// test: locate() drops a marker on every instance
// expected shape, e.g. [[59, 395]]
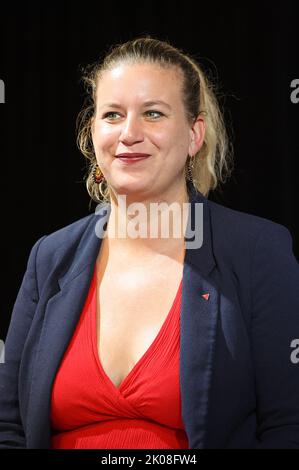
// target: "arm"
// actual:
[[275, 323], [12, 434]]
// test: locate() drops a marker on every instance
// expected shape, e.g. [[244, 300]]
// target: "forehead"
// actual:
[[140, 81]]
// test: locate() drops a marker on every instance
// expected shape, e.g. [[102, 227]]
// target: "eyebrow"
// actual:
[[145, 104]]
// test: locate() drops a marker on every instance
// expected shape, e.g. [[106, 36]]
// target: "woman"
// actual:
[[127, 342]]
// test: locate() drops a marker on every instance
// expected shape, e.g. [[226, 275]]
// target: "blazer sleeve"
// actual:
[[12, 433], [275, 332]]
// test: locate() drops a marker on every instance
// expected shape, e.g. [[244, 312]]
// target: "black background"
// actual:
[[250, 50]]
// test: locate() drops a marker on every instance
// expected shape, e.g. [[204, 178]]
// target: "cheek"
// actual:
[[105, 136], [161, 138], [173, 141]]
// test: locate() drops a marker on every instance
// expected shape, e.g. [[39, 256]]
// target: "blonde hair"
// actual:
[[213, 163]]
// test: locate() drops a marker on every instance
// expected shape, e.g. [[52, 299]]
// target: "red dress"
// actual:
[[89, 412]]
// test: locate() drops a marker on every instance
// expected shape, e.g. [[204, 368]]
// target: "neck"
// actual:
[[152, 224]]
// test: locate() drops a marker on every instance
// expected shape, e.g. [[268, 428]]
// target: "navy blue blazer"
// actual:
[[239, 371]]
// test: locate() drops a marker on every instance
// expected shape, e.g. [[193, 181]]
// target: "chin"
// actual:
[[129, 186], [133, 189]]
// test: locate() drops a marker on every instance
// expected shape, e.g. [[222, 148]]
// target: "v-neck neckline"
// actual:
[[118, 389]]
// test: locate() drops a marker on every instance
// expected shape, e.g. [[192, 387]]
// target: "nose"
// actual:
[[131, 131]]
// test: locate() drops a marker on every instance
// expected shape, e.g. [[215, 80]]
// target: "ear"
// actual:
[[197, 134]]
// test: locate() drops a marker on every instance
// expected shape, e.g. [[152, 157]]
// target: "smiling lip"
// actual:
[[132, 155], [130, 158]]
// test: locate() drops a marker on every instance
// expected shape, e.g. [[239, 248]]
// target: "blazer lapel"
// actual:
[[198, 329]]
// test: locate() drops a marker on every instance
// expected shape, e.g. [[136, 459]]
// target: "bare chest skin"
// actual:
[[134, 297]]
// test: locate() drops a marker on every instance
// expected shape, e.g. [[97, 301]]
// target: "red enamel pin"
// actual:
[[205, 296]]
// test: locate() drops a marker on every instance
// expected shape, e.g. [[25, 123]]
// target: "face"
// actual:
[[140, 110]]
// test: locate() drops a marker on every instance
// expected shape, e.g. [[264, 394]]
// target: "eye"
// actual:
[[110, 115], [154, 114]]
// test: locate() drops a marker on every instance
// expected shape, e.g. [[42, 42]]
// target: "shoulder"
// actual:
[[231, 225], [61, 245], [240, 234], [239, 224], [68, 235]]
